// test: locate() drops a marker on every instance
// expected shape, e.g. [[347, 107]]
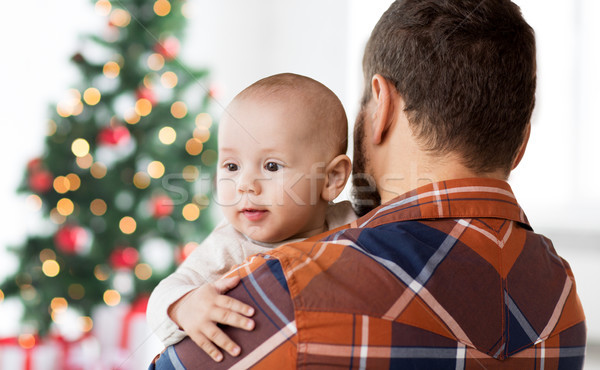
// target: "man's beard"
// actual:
[[364, 190]]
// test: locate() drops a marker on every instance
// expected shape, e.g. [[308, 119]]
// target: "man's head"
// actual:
[[282, 145], [466, 73]]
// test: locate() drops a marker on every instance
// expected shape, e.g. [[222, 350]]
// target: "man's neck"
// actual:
[[400, 162], [427, 170]]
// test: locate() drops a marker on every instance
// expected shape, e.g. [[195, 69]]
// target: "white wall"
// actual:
[[243, 41]]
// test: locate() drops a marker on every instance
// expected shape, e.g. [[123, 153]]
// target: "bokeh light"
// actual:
[[77, 109], [61, 184], [131, 116], [111, 297], [56, 217], [143, 271], [91, 96], [1, 295], [80, 147], [102, 7], [102, 272], [47, 254], [98, 207], [190, 173], [74, 95], [148, 80], [28, 292], [86, 323], [74, 181], [156, 62], [63, 110], [156, 169], [193, 146], [65, 206], [70, 104], [34, 202], [186, 11], [26, 341], [98, 170], [204, 120], [201, 200], [120, 17], [162, 7], [178, 109], [59, 304], [167, 135], [50, 268], [169, 79], [85, 162], [141, 180], [111, 69], [51, 128], [127, 225], [76, 291], [143, 107], [191, 212], [202, 133]]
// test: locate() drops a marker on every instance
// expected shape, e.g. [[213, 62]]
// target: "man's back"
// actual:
[[447, 276]]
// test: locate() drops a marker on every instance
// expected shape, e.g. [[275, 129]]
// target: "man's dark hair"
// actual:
[[466, 72]]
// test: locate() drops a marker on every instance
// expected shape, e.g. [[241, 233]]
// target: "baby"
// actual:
[[282, 144]]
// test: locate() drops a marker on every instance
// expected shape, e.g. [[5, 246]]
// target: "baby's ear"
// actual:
[[336, 175]]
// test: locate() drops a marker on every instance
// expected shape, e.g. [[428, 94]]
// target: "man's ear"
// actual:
[[337, 173], [523, 147], [383, 92]]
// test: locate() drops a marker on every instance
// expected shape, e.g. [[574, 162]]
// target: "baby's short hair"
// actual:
[[320, 102]]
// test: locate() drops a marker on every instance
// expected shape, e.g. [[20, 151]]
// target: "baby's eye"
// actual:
[[273, 167], [231, 167]]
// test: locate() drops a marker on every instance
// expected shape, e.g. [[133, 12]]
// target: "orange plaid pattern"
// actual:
[[450, 275]]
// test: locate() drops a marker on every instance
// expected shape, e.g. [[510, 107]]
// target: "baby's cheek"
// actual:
[[227, 194], [304, 193]]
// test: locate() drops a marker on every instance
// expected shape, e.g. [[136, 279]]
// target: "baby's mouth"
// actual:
[[253, 214]]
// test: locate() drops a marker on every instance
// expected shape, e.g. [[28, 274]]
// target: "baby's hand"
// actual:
[[199, 311]]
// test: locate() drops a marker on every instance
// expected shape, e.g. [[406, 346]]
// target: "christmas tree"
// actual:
[[124, 180]]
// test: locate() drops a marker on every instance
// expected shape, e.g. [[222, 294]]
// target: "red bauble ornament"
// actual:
[[71, 239], [124, 258], [161, 206], [112, 136], [145, 93], [168, 48], [40, 181], [34, 165]]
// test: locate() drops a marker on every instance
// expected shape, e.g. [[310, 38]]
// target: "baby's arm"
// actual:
[[223, 248]]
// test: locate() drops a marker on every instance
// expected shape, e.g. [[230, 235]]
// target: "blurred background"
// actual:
[[240, 41]]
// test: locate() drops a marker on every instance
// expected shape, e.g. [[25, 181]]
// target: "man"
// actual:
[[446, 272]]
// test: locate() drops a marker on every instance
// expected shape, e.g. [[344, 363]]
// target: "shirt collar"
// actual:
[[460, 198]]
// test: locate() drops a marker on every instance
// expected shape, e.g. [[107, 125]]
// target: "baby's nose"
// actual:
[[249, 184]]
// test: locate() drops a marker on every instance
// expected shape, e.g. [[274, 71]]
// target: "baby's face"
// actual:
[[270, 171]]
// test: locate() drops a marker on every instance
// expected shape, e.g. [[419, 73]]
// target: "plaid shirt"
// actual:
[[448, 276]]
